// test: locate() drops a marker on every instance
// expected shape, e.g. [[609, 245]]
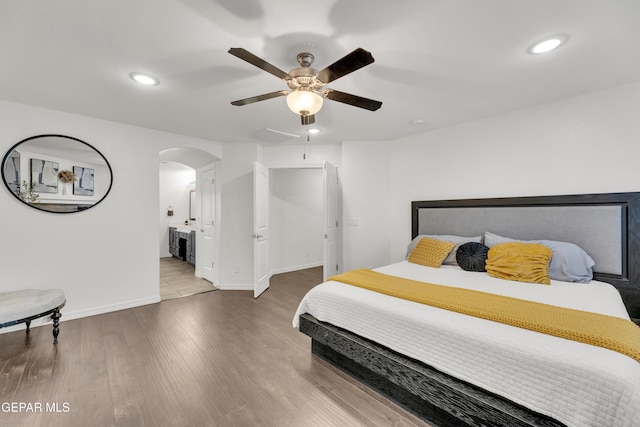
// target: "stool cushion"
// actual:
[[19, 305]]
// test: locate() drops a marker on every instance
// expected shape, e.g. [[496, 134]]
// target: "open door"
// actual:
[[260, 229], [207, 224], [330, 194]]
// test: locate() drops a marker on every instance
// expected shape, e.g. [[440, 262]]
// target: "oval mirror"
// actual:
[[56, 173]]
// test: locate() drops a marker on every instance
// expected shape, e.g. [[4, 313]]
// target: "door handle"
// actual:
[[257, 236]]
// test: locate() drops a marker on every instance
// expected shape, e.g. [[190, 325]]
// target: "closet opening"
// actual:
[[296, 219]]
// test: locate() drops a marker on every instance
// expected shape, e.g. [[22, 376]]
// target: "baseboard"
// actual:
[[109, 308], [22, 326], [296, 268], [83, 313]]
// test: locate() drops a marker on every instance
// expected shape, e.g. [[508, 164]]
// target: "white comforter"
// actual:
[[575, 383]]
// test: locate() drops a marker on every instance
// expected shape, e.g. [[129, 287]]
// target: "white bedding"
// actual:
[[575, 383]]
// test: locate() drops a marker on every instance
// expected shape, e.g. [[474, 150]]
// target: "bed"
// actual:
[[453, 369]]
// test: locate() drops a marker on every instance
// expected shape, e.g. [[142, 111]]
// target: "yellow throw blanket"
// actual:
[[601, 330]]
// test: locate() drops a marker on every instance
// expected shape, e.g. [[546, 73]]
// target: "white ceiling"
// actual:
[[443, 61]]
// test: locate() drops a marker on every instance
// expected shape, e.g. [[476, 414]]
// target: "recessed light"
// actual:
[[144, 79], [548, 44], [313, 131]]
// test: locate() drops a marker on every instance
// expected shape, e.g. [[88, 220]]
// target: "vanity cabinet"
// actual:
[[172, 241], [182, 244], [191, 248]]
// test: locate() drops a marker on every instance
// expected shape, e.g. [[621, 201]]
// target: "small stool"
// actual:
[[28, 304]]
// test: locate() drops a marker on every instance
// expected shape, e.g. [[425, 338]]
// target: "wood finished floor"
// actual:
[[177, 280], [213, 359]]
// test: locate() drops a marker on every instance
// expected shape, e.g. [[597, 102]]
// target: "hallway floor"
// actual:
[[177, 280]]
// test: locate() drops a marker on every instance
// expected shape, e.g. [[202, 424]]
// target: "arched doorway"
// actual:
[[189, 209]]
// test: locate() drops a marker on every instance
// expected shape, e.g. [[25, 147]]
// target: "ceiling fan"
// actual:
[[306, 84]]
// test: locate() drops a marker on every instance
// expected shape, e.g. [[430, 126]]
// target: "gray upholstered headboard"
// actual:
[[607, 226]]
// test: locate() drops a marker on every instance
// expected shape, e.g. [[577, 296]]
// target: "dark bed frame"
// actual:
[[443, 400]]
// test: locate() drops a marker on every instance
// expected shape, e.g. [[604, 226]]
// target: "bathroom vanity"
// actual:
[[182, 244]]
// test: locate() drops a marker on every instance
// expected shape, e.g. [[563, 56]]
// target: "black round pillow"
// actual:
[[472, 256]]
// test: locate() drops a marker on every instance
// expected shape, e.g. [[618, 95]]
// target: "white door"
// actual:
[[330, 194], [207, 218], [260, 229]]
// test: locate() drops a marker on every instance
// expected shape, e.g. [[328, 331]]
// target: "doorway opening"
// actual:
[[295, 215], [187, 209], [306, 221]]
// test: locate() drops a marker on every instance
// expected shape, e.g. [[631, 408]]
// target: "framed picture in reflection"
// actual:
[[44, 176], [83, 185]]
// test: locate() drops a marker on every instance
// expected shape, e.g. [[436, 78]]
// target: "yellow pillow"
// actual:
[[523, 262], [430, 252]]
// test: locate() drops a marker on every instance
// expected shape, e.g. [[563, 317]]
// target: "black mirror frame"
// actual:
[[7, 155]]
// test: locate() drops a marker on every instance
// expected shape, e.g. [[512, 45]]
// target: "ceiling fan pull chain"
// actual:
[[304, 150]]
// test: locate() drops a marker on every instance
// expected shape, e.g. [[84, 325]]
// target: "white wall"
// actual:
[[105, 258], [366, 194], [588, 144], [175, 189], [288, 156], [295, 218], [236, 224]]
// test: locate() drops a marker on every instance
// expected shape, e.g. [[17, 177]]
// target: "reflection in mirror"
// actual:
[[192, 205], [56, 173]]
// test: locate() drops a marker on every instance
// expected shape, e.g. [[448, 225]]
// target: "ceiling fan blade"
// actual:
[[356, 101], [354, 61], [258, 62], [309, 119], [260, 97]]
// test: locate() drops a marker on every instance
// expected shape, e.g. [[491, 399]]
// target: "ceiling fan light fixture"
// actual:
[[306, 94], [304, 102]]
